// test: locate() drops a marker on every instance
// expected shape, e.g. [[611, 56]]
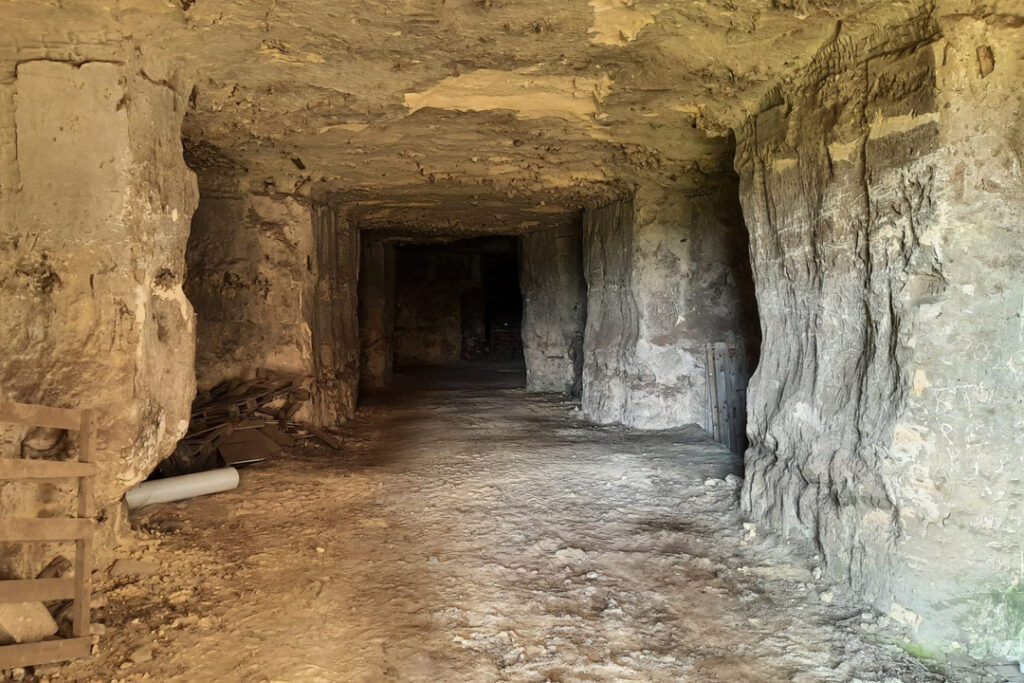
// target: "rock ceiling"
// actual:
[[457, 112]]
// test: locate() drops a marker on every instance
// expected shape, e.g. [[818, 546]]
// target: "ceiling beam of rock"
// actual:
[[478, 109]]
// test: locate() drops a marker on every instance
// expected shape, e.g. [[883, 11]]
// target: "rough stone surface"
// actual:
[[25, 622], [334, 316], [554, 309], [92, 255], [250, 280], [127, 567], [666, 275], [883, 193]]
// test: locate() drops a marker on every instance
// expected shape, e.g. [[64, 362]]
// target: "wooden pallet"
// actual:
[[78, 529]]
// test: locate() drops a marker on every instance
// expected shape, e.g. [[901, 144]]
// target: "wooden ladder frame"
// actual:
[[78, 529]]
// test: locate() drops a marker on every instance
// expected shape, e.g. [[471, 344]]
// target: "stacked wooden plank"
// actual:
[[232, 424], [35, 530]]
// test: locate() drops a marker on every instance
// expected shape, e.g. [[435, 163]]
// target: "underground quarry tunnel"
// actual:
[[512, 340]]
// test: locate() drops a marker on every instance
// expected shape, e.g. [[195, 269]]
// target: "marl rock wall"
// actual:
[[250, 279], [554, 309], [884, 196], [95, 204], [666, 274]]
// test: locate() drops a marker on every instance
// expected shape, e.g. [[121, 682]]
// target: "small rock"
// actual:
[[712, 482], [134, 568], [432, 560], [592, 575], [733, 481], [143, 654], [751, 529], [321, 549], [17, 674], [827, 597], [25, 622]]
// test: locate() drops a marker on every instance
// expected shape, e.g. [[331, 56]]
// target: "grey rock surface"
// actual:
[[883, 193], [554, 309]]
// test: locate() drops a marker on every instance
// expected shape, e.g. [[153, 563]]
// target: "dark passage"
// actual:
[[458, 301]]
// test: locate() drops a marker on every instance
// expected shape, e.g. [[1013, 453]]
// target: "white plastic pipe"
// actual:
[[180, 488]]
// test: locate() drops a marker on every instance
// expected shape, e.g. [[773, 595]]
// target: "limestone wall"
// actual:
[[554, 309], [250, 279], [96, 203], [666, 274], [884, 197]]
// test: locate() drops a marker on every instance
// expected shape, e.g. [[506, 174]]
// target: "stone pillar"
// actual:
[[554, 309], [884, 196], [96, 207], [377, 313], [250, 275], [667, 272], [334, 316]]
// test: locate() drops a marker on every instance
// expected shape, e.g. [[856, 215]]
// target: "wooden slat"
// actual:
[[712, 378], [20, 468], [45, 529], [83, 547], [83, 590], [39, 416], [31, 654], [36, 590]]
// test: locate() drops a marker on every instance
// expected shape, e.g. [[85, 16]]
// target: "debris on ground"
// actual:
[[243, 422], [127, 567]]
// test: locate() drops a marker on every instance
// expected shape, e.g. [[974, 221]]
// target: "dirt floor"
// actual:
[[469, 531]]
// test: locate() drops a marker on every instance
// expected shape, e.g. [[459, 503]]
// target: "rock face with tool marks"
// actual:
[[883, 194]]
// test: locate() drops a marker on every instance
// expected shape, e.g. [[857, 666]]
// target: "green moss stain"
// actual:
[[921, 652]]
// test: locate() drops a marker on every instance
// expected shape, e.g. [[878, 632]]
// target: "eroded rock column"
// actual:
[[554, 309], [96, 207], [666, 273], [334, 316], [377, 313], [884, 199]]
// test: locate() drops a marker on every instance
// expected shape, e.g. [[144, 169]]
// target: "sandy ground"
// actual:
[[471, 532]]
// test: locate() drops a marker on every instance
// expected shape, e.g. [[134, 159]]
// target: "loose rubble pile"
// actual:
[[241, 422]]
